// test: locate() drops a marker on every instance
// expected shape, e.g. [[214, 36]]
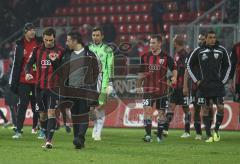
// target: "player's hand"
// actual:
[[53, 56], [231, 86], [185, 91], [28, 76], [199, 82], [109, 89], [138, 90], [174, 81]]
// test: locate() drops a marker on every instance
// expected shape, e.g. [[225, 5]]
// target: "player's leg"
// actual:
[[100, 113], [197, 121], [161, 105], [40, 106], [80, 120], [35, 113], [206, 119], [184, 102], [66, 119], [24, 98], [13, 111], [147, 105], [51, 122], [4, 119], [219, 117], [187, 121], [170, 112]]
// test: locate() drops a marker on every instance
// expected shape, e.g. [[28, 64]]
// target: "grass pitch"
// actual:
[[119, 146]]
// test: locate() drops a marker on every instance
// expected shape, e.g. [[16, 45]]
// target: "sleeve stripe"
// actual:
[[189, 68], [11, 74], [229, 67]]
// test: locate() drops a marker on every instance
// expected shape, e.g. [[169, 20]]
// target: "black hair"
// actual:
[[156, 36], [76, 36], [97, 28], [49, 32]]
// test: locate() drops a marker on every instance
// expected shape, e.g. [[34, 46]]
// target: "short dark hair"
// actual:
[[97, 28], [28, 26], [49, 32], [76, 36], [210, 32], [156, 36]]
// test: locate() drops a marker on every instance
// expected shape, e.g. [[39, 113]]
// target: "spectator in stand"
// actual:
[[109, 31], [157, 11]]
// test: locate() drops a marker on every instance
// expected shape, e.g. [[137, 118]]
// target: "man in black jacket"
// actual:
[[79, 84], [18, 84], [214, 65]]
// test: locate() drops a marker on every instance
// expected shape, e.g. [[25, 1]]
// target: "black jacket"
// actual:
[[211, 66], [17, 64], [89, 90]]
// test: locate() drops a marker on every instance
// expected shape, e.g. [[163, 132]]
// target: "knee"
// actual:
[[43, 116], [161, 115], [220, 108], [51, 113], [205, 110]]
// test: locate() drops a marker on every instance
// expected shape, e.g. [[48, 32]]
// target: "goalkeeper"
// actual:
[[105, 54]]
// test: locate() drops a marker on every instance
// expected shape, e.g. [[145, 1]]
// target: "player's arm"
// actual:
[[191, 63], [141, 76], [185, 80], [185, 83], [55, 58], [225, 67], [233, 58], [173, 68], [110, 63], [16, 64], [110, 69], [29, 65]]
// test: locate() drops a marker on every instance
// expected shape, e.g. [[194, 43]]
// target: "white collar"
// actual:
[[78, 52]]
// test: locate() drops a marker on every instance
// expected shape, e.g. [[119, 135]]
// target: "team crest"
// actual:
[[204, 57], [216, 55], [161, 61]]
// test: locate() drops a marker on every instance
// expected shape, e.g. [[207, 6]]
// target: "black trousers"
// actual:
[[80, 118], [26, 94]]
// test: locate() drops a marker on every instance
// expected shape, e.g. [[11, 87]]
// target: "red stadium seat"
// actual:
[[80, 10], [111, 9], [119, 8], [137, 18], [129, 18], [122, 29], [103, 9], [114, 18], [148, 28], [103, 18], [120, 19], [48, 22], [130, 28]]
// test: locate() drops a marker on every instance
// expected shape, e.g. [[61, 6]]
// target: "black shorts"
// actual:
[[161, 103], [64, 103], [178, 98], [45, 100], [216, 100]]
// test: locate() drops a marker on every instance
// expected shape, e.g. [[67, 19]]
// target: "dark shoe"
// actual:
[[77, 143]]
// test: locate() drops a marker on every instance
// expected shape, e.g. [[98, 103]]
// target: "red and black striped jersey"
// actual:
[[235, 63], [155, 69], [180, 59], [45, 68]]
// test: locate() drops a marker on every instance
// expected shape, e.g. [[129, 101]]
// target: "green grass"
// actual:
[[119, 146]]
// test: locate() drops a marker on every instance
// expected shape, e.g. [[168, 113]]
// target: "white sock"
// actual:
[[100, 122], [94, 131]]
